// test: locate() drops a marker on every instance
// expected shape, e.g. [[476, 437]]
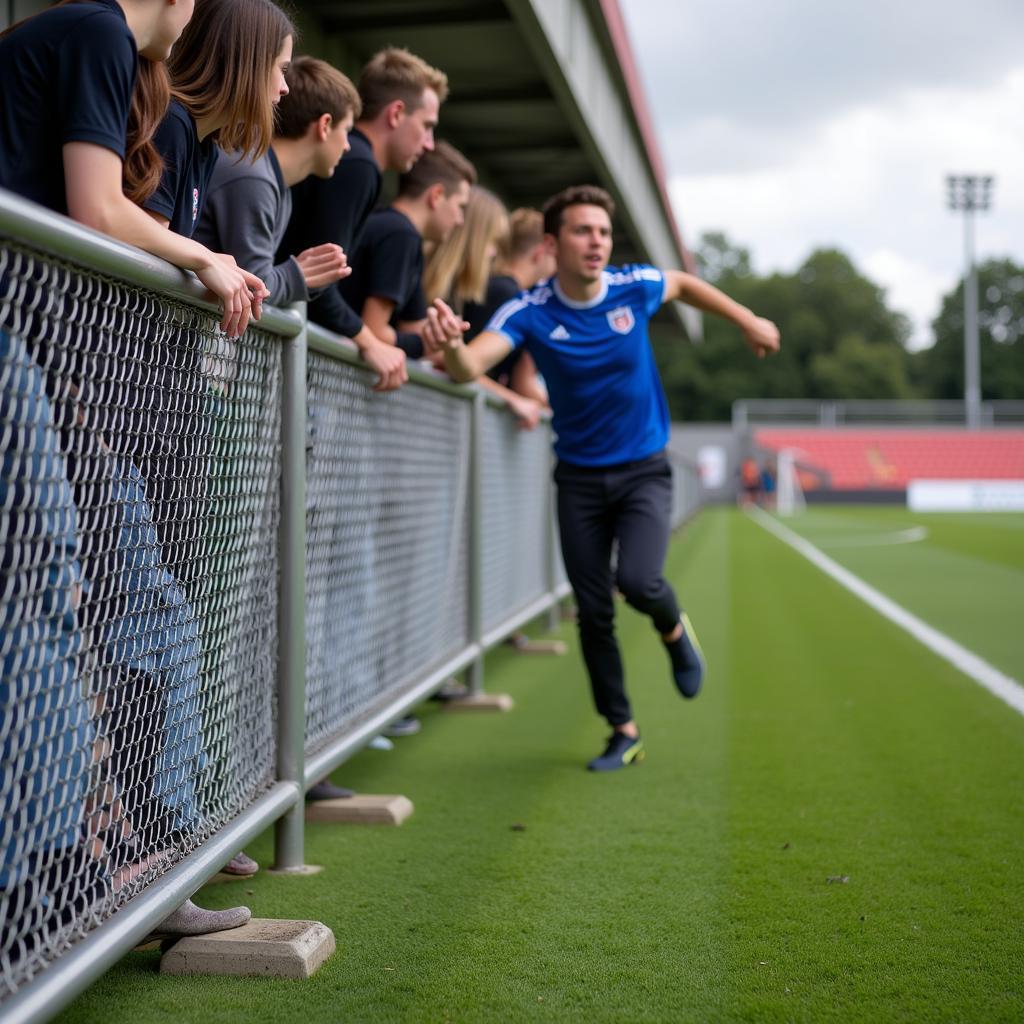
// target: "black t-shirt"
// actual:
[[188, 167], [389, 265], [67, 75], [500, 289], [335, 210]]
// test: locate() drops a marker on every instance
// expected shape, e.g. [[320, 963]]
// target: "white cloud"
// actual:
[[871, 181], [911, 287], [766, 76]]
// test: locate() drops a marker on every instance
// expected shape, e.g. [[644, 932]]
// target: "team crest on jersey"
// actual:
[[621, 320], [195, 204]]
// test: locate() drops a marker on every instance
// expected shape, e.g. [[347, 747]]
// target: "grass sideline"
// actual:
[[827, 745]]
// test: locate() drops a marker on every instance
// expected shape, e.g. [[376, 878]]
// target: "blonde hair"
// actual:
[[221, 66], [457, 270], [396, 74], [526, 231]]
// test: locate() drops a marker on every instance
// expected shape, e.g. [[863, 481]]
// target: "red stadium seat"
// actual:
[[856, 459]]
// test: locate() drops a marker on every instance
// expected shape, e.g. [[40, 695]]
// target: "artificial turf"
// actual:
[[963, 574], [831, 832]]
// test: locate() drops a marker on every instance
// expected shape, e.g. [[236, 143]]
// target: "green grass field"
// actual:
[[833, 831]]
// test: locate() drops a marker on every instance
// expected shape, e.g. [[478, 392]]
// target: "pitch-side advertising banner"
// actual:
[[965, 495]]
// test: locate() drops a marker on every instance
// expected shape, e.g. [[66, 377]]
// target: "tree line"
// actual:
[[840, 338]]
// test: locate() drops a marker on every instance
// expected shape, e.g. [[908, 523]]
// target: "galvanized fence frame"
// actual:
[[298, 767]]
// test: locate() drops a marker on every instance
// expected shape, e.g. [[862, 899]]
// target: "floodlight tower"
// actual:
[[970, 192]]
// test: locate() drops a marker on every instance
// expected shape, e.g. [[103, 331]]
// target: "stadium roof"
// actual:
[[544, 94]]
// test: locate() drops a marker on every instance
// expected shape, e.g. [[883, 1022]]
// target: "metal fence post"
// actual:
[[289, 832], [475, 672], [554, 619]]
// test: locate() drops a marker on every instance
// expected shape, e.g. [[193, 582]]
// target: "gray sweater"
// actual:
[[245, 214]]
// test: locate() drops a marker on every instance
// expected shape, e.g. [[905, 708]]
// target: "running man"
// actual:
[[586, 329]]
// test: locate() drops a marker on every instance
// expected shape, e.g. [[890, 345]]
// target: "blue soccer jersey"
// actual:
[[607, 399]]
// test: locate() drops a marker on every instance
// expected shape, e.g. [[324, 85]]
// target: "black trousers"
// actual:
[[629, 505]]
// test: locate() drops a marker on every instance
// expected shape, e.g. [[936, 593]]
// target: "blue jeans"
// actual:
[[47, 735]]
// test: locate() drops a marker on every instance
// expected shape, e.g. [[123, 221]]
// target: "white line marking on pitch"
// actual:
[[999, 684], [878, 540]]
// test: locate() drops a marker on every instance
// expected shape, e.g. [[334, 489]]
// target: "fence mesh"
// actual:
[[138, 517], [139, 510], [516, 515], [387, 542]]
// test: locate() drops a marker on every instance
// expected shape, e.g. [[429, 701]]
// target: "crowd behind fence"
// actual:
[[226, 565]]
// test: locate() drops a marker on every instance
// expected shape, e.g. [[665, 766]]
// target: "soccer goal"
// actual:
[[789, 494]]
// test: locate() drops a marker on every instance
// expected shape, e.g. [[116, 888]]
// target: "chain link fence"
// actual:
[[515, 517], [387, 541], [138, 515], [154, 713]]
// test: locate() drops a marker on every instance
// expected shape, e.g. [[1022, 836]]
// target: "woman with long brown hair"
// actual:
[[227, 73]]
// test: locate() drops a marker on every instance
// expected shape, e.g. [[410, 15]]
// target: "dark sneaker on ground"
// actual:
[[409, 725], [328, 791], [621, 750], [451, 689], [687, 660]]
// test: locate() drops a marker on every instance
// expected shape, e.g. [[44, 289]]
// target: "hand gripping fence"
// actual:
[[227, 564]]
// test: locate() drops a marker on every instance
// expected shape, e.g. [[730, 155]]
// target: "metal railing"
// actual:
[[812, 412], [227, 564]]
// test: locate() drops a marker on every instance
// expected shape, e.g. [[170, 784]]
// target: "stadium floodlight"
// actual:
[[970, 193]]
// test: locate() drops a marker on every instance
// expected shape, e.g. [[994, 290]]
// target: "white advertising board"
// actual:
[[713, 465], [965, 495]]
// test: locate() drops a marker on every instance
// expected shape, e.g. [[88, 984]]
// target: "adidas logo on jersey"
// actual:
[[559, 334]]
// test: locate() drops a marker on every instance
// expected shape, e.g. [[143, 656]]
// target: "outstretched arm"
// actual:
[[761, 335], [463, 362]]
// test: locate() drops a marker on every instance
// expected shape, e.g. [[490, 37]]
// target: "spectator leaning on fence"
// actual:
[[459, 271], [249, 201], [68, 77], [227, 73], [587, 330], [401, 96], [523, 261], [386, 286]]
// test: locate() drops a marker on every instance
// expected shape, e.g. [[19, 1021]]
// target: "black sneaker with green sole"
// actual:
[[621, 750]]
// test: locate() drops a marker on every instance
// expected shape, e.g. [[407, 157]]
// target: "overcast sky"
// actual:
[[791, 125]]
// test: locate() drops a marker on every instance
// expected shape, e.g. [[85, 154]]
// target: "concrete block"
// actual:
[[527, 646], [361, 809], [301, 871], [481, 702], [264, 948]]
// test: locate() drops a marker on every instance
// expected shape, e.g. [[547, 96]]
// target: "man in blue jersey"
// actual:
[[586, 329]]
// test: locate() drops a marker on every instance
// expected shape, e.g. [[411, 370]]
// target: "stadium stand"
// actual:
[[879, 459]]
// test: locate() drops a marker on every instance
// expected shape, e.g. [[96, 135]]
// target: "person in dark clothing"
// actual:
[[587, 330], [227, 75], [70, 78], [402, 96], [386, 286], [67, 77]]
